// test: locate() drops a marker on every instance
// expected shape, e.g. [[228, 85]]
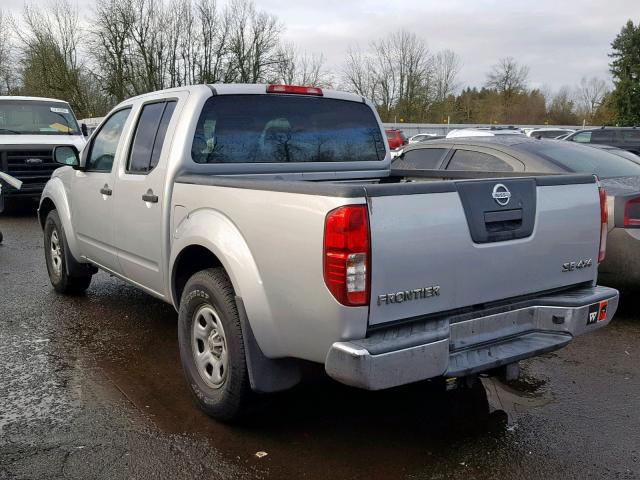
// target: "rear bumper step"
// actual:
[[455, 347]]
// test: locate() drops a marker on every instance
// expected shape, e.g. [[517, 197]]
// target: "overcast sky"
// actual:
[[560, 41]]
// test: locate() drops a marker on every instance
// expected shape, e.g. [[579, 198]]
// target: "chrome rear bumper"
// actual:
[[469, 343]]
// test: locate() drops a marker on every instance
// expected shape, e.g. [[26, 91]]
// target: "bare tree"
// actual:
[[7, 72], [110, 41], [214, 35], [357, 73], [253, 43], [403, 74], [49, 39], [296, 68], [447, 66], [508, 77], [562, 107], [590, 95]]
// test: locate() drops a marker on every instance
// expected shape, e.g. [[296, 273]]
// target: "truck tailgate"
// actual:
[[481, 241]]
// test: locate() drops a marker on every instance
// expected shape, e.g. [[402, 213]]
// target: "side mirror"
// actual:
[[83, 129], [66, 155]]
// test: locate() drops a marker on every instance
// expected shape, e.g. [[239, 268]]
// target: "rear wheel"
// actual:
[[55, 255], [212, 346]]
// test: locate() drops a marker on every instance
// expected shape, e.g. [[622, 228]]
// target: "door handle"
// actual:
[[150, 197], [106, 190]]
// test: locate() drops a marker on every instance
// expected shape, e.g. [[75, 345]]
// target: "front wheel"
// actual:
[[55, 255], [212, 346]]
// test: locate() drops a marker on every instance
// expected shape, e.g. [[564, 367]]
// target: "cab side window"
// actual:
[[149, 136], [105, 142], [477, 161]]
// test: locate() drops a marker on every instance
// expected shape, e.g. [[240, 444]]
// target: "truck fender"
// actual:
[[214, 231], [54, 196]]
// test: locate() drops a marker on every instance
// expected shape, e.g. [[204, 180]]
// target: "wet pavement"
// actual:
[[91, 387]]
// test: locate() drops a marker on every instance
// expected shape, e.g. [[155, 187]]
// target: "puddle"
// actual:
[[516, 397]]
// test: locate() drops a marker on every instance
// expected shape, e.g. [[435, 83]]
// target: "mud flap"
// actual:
[[267, 375]]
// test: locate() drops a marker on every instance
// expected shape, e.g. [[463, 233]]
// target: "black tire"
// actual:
[[56, 263], [211, 291]]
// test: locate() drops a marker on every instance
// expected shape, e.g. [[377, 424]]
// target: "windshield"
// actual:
[[280, 128], [31, 117], [583, 159]]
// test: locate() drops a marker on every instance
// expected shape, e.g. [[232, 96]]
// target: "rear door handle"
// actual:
[[106, 190], [150, 197]]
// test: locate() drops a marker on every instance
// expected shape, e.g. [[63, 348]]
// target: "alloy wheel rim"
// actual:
[[209, 346]]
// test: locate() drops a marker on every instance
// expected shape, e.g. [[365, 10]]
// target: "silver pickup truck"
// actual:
[[269, 218]]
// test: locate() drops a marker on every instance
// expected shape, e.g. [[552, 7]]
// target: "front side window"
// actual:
[[285, 129], [149, 136], [35, 117], [105, 142], [477, 161]]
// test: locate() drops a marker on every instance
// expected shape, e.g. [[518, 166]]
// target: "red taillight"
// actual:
[[295, 89], [346, 254], [632, 213], [604, 220]]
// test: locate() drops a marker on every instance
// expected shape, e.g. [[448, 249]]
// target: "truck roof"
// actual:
[[249, 89], [35, 99]]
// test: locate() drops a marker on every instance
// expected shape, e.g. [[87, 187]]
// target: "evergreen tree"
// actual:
[[625, 68]]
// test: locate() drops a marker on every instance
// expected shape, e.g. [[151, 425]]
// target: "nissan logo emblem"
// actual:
[[501, 194], [33, 161]]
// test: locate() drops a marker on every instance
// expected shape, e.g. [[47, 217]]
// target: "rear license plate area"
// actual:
[[597, 312]]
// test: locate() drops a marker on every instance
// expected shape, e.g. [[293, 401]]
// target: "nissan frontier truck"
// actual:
[[268, 216]]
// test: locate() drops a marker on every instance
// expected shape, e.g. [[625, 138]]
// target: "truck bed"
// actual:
[[453, 235]]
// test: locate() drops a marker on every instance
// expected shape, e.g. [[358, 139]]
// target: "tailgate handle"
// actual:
[[502, 220], [503, 216]]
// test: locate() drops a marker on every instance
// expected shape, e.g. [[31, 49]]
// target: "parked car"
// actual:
[[548, 132], [423, 137], [626, 138], [230, 203], [620, 178], [483, 132], [395, 138], [616, 151], [29, 129]]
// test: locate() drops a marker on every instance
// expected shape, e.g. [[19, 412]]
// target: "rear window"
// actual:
[[285, 129], [630, 136], [602, 136], [583, 159]]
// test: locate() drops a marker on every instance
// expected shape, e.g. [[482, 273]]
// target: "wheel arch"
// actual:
[[54, 197], [206, 238]]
